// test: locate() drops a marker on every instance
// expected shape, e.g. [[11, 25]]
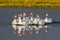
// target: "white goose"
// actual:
[[30, 22], [14, 22], [19, 27], [47, 20], [24, 23], [36, 21]]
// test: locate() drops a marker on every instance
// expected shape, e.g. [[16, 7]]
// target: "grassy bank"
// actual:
[[30, 3]]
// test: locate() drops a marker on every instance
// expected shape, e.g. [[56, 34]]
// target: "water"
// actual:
[[6, 30]]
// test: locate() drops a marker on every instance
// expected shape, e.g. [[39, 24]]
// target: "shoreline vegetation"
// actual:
[[30, 3]]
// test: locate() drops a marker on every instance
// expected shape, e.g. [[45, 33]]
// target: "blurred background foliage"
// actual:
[[29, 3]]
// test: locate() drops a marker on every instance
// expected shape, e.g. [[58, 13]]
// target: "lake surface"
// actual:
[[6, 30]]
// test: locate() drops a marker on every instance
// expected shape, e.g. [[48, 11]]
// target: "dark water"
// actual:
[[6, 30]]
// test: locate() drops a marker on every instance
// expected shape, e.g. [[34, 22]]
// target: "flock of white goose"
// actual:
[[23, 23]]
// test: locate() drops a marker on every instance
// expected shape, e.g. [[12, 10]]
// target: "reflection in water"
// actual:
[[36, 28]]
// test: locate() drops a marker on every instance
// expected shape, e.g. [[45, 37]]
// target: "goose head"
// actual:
[[31, 14], [15, 16], [20, 15], [24, 15], [46, 15], [37, 16]]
